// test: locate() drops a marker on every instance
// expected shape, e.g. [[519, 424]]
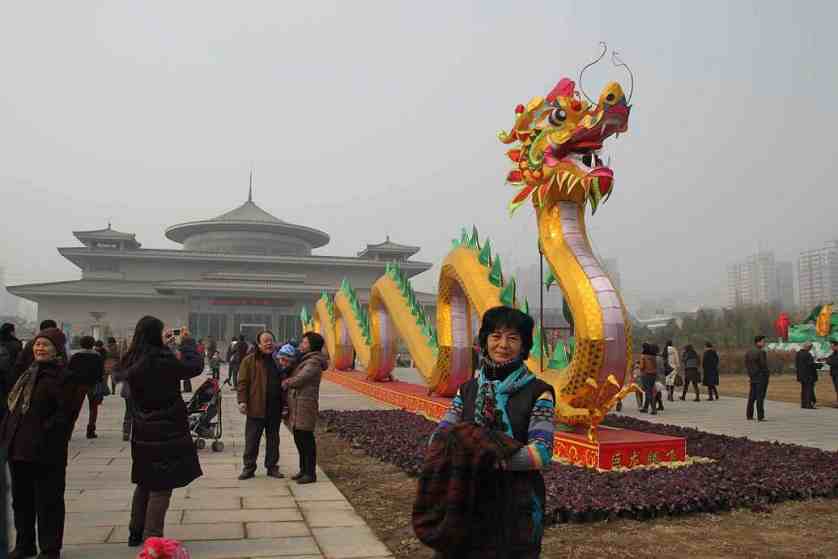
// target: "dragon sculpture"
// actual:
[[556, 165]]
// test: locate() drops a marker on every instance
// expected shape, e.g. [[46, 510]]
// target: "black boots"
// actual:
[[91, 432], [135, 540], [247, 473]]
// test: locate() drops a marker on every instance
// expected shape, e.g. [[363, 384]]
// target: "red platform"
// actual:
[[615, 447], [618, 448]]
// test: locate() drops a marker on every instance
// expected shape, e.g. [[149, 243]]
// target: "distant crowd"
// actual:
[[663, 371]]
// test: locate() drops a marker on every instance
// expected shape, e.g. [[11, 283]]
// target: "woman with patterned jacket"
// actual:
[[509, 405]]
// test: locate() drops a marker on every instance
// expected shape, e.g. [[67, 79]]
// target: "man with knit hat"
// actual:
[[35, 434]]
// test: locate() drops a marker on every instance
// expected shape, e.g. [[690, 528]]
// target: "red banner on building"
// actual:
[[248, 302]]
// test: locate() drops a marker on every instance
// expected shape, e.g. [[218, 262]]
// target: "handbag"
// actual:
[[100, 390]]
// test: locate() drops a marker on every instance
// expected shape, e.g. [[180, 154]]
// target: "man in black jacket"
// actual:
[[832, 361], [87, 370], [807, 376], [756, 363], [10, 347]]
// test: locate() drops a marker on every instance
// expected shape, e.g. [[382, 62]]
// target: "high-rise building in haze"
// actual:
[[753, 281], [785, 285], [818, 275]]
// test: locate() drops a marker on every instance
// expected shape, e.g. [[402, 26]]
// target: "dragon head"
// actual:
[[559, 137]]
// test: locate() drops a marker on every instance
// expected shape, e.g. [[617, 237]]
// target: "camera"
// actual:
[[176, 332]]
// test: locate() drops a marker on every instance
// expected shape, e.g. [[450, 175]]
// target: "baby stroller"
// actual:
[[204, 409]]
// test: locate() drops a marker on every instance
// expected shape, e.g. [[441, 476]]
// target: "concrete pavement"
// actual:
[[785, 422]]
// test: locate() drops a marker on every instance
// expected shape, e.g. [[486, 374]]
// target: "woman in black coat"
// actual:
[[710, 361], [35, 434], [162, 452], [691, 363]]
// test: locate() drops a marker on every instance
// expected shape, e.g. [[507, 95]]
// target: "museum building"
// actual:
[[238, 273]]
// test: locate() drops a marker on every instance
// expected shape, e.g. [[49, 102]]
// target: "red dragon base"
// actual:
[[615, 448]]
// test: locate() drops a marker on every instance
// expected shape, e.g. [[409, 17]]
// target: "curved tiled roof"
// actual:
[[107, 234], [248, 217], [248, 212]]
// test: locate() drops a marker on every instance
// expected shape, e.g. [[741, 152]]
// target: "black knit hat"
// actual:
[[56, 337]]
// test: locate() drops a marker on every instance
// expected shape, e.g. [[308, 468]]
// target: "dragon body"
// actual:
[[556, 165]]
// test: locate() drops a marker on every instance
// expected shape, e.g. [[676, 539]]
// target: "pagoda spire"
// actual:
[[250, 188]]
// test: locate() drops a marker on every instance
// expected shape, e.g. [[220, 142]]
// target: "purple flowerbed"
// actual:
[[745, 473]]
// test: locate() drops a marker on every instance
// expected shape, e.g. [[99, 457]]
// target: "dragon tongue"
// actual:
[[604, 179], [601, 172]]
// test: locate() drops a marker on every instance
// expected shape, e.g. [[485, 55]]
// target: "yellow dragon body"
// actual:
[[557, 166]]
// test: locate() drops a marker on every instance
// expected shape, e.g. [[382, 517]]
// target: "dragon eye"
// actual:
[[557, 116], [610, 97]]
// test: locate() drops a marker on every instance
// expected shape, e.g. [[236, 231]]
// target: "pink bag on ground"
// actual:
[[163, 548]]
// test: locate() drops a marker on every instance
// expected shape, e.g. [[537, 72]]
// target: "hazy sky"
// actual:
[[374, 118]]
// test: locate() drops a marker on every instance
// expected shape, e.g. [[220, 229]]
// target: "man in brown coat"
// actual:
[[260, 399]]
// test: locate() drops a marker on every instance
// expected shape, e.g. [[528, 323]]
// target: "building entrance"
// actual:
[[250, 331]]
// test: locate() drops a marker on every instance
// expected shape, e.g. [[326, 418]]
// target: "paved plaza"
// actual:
[[217, 516], [784, 422]]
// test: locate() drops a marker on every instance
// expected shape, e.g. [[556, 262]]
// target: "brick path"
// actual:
[[217, 516]]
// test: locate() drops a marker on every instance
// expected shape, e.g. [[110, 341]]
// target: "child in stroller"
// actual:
[[204, 409]]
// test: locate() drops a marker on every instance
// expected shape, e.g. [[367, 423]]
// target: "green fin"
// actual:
[[559, 359], [537, 346], [485, 256], [568, 315], [474, 240], [507, 294], [549, 279], [496, 273]]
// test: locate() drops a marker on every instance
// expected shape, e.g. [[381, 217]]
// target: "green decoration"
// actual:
[[474, 240], [485, 256], [537, 345], [559, 359], [549, 280], [813, 316], [507, 294], [525, 306], [496, 273], [568, 315]]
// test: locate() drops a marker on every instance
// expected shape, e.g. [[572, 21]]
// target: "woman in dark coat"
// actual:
[[35, 434], [303, 403], [710, 362], [163, 454], [691, 363]]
